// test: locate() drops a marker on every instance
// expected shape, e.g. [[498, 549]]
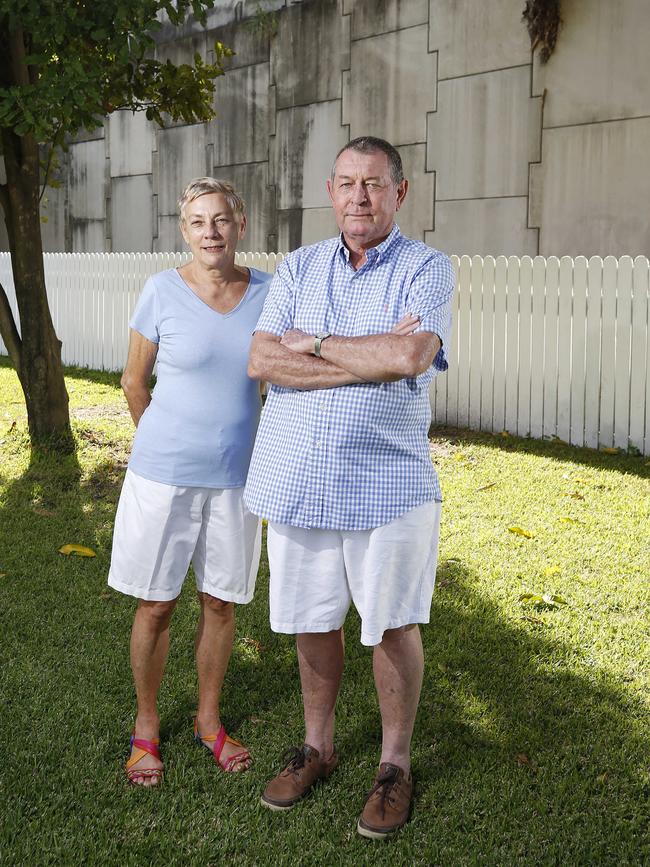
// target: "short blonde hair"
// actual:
[[201, 186]]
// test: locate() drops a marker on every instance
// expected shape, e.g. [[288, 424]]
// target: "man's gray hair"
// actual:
[[202, 186], [368, 144]]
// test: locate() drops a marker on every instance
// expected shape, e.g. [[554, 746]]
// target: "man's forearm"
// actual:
[[382, 357], [274, 363]]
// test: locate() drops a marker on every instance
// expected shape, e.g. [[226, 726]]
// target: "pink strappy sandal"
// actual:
[[216, 744], [142, 748]]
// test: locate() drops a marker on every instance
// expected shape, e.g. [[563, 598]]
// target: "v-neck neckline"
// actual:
[[204, 304]]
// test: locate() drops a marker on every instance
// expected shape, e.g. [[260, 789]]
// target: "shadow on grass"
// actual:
[[620, 462], [104, 377], [50, 481], [525, 751], [514, 728]]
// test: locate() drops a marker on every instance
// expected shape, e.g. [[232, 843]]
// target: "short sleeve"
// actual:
[[429, 298], [145, 318], [277, 313]]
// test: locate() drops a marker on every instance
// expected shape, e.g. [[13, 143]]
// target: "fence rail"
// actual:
[[549, 347], [541, 347], [92, 295]]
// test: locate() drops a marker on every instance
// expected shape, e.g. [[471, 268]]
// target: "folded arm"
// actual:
[[375, 357], [289, 360], [274, 362]]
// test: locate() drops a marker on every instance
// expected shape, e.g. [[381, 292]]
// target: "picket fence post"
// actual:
[[541, 347]]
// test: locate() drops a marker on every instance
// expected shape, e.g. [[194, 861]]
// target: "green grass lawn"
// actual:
[[531, 745]]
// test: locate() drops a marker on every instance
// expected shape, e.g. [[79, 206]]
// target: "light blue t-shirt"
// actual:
[[200, 426]]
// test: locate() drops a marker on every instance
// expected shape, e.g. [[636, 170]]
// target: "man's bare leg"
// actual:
[[213, 647], [398, 664], [149, 648], [320, 657]]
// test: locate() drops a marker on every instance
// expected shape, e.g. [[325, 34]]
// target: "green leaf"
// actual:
[[544, 600], [530, 597], [553, 599]]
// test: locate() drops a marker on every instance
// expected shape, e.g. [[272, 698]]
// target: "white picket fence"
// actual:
[[92, 295], [542, 347], [550, 347]]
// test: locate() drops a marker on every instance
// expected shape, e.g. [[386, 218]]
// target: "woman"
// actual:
[[182, 496]]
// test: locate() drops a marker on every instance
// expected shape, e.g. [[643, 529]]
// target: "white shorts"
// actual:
[[160, 528], [388, 572]]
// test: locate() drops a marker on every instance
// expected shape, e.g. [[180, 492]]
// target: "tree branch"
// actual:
[[48, 167], [5, 204], [4, 199], [17, 54], [9, 331]]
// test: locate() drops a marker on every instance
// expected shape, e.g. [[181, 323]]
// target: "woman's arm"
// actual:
[[137, 373]]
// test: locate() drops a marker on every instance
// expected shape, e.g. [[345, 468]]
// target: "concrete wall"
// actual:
[[504, 155]]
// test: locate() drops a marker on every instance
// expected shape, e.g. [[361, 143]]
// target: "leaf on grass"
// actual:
[[575, 495], [78, 550], [254, 643], [552, 570], [530, 597], [602, 779], [519, 531], [545, 600], [487, 487], [3, 574], [568, 520], [606, 450], [535, 620], [523, 760], [505, 433], [553, 599], [46, 513], [581, 480]]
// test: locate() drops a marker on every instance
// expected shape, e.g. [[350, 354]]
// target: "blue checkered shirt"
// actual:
[[356, 456]]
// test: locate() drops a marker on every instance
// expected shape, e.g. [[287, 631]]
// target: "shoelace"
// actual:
[[385, 782], [294, 759]]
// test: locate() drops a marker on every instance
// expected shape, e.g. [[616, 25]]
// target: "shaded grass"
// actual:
[[531, 744]]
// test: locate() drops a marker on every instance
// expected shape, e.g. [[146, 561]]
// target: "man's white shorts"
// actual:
[[160, 528], [388, 572]]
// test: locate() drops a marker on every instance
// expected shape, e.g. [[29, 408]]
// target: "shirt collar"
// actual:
[[373, 253]]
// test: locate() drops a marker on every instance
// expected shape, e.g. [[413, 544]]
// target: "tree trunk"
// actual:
[[37, 357]]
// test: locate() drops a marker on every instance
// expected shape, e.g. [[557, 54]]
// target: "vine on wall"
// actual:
[[543, 21]]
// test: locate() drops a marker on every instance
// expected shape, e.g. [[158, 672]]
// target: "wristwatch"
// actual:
[[318, 340]]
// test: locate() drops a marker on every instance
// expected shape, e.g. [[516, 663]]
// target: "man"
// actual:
[[351, 334]]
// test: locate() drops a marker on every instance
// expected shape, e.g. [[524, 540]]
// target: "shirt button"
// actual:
[[323, 406], [317, 444]]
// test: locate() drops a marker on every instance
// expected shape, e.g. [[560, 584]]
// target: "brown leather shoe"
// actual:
[[388, 804], [304, 768]]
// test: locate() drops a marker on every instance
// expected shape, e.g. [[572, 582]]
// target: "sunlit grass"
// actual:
[[531, 745]]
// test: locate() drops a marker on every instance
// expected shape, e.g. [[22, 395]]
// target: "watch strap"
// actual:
[[318, 341]]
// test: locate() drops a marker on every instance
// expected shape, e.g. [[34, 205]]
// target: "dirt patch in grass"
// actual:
[[108, 411]]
